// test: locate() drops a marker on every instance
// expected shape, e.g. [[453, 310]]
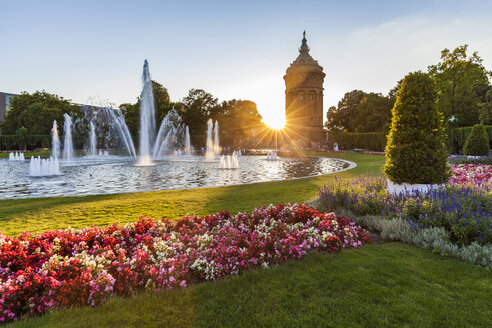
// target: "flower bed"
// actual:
[[465, 212], [85, 267], [474, 175]]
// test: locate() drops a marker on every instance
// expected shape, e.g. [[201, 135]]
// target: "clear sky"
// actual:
[[88, 49]]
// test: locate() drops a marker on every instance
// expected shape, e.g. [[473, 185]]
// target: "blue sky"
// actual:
[[86, 50]]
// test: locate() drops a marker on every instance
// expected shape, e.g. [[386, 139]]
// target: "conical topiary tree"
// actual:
[[477, 143], [415, 152]]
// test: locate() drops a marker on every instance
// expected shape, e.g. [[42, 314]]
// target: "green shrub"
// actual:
[[375, 141], [457, 137], [45, 143], [477, 143], [415, 152]]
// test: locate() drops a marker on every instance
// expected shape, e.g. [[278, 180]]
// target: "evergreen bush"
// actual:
[[477, 143], [45, 143], [415, 152]]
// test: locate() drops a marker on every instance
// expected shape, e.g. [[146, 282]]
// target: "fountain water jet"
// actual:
[[147, 118], [92, 140], [229, 161], [216, 139], [44, 167], [17, 157], [172, 137], [67, 142], [119, 120], [210, 154], [55, 142], [187, 142]]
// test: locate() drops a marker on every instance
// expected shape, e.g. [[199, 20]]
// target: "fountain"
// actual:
[[55, 142], [210, 154], [147, 119], [272, 156], [213, 147], [67, 142], [172, 137], [229, 161], [17, 157], [118, 121], [216, 139], [187, 142], [44, 167], [92, 140]]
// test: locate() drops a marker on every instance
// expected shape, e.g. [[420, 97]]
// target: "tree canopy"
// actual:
[[359, 111], [36, 112], [462, 83]]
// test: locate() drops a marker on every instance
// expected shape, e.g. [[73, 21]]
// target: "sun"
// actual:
[[277, 123]]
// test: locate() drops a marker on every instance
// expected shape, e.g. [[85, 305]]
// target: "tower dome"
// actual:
[[304, 97]]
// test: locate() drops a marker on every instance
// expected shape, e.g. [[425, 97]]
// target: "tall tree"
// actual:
[[462, 82], [36, 113], [341, 118], [162, 102], [239, 121], [373, 114], [198, 107]]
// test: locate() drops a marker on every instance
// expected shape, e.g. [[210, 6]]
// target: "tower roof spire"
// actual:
[[304, 47]]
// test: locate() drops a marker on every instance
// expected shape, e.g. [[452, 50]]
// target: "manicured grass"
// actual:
[[389, 285], [43, 214], [27, 155]]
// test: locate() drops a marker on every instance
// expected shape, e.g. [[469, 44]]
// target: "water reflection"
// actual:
[[121, 176]]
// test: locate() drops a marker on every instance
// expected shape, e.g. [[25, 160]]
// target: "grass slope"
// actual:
[[40, 214], [393, 285]]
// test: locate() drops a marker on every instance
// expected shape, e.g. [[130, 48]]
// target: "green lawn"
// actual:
[[389, 285], [28, 154], [43, 214]]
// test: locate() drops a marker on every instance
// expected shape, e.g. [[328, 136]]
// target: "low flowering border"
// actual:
[[473, 175], [85, 267]]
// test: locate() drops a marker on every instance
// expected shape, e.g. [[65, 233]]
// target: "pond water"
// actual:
[[119, 175]]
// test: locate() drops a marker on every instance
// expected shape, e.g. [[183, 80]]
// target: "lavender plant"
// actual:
[[464, 212]]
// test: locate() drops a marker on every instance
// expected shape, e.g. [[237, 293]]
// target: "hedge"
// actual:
[[352, 140], [376, 141], [457, 138], [10, 142]]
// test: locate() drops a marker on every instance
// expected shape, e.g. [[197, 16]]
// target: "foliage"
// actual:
[[485, 110], [457, 137], [239, 122], [67, 268], [462, 83], [45, 143], [463, 211], [198, 107], [477, 143], [373, 113], [459, 159], [436, 238], [341, 117], [415, 150], [13, 142], [375, 141], [360, 112], [37, 111]]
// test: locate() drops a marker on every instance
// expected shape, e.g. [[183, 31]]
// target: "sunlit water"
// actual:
[[120, 175]]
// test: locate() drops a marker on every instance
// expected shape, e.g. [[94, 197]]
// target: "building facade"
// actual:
[[304, 99]]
